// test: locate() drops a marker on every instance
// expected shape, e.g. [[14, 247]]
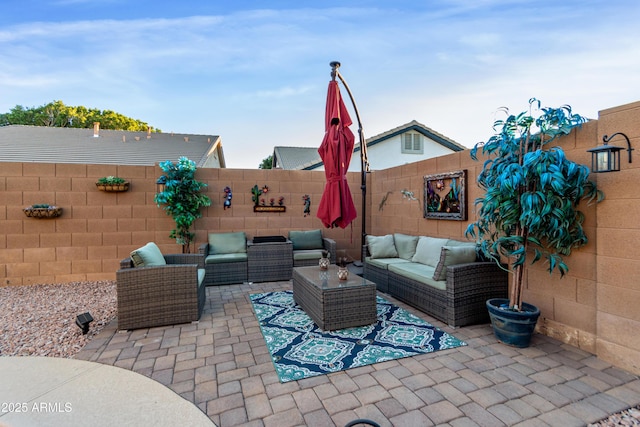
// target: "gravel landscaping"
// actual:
[[630, 417], [40, 320]]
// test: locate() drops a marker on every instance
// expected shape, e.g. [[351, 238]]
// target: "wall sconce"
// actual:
[[606, 158], [161, 184], [83, 320]]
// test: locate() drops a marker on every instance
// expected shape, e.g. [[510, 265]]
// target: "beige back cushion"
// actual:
[[428, 250]]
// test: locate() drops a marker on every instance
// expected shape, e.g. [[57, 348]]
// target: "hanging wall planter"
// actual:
[[42, 211], [112, 184]]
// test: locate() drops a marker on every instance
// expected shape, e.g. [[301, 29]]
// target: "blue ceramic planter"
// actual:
[[513, 327]]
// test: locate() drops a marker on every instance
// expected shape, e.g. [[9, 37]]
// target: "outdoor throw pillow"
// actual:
[[304, 240], [382, 246], [405, 245], [227, 243], [452, 255], [147, 256], [428, 250]]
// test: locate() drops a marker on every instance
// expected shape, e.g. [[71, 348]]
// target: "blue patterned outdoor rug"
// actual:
[[300, 349]]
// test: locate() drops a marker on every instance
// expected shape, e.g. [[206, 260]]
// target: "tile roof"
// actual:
[[289, 158], [43, 144]]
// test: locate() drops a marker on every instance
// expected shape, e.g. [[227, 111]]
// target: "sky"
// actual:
[[256, 72]]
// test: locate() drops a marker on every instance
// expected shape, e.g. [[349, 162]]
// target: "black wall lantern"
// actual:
[[606, 158], [161, 184]]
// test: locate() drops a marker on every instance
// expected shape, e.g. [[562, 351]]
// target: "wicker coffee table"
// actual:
[[332, 303]]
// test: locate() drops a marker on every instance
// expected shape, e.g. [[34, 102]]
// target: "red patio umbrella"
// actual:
[[336, 208]]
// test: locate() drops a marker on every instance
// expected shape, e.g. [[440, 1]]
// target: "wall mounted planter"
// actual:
[[113, 188], [42, 212]]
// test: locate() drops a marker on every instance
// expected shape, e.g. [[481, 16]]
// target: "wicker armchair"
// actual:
[[161, 295], [225, 258], [308, 246]]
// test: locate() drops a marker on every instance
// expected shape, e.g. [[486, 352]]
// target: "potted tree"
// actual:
[[529, 210], [182, 199]]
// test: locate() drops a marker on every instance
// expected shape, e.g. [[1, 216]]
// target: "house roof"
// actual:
[[290, 158], [418, 127], [43, 144], [304, 158]]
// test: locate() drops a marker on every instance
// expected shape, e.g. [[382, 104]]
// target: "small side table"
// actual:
[[269, 261]]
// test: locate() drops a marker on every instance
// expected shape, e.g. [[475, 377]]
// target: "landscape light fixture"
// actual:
[[161, 184], [83, 320], [606, 158]]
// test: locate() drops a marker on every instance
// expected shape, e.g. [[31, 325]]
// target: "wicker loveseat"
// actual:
[[225, 258], [162, 290], [441, 277], [308, 246]]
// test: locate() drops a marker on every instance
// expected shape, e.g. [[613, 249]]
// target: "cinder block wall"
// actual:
[[618, 254], [97, 229]]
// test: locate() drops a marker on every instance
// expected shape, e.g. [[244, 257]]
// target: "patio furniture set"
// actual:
[[156, 289], [230, 258]]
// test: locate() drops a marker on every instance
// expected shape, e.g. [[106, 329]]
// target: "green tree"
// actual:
[[267, 163], [182, 199], [530, 205], [57, 114]]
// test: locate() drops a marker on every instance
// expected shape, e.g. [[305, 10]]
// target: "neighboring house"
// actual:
[[42, 144], [408, 143]]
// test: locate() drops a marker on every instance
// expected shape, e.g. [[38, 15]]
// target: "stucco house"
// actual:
[[42, 144], [404, 144]]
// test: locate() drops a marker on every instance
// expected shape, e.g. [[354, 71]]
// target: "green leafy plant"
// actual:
[[182, 199], [111, 180], [530, 205]]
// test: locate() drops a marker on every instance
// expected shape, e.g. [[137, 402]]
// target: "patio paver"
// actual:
[[221, 364]]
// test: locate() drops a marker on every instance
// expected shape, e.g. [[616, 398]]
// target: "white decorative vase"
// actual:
[[324, 263]]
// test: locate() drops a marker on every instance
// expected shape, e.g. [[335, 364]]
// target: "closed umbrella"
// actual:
[[336, 208]]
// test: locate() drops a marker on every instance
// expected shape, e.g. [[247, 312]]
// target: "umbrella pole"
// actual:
[[364, 161]]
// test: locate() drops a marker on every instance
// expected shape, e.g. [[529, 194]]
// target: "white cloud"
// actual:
[[247, 75]]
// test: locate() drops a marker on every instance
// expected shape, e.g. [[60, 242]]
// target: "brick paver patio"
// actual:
[[221, 364]]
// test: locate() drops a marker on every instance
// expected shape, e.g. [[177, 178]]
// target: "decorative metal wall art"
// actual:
[[307, 204], [227, 197], [260, 203], [445, 196]]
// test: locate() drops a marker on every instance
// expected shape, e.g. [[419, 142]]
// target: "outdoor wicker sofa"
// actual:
[[441, 277], [157, 295]]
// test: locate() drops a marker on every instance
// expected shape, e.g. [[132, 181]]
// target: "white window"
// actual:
[[412, 143]]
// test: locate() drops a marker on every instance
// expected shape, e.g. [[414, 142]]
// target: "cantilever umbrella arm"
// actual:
[[364, 161]]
